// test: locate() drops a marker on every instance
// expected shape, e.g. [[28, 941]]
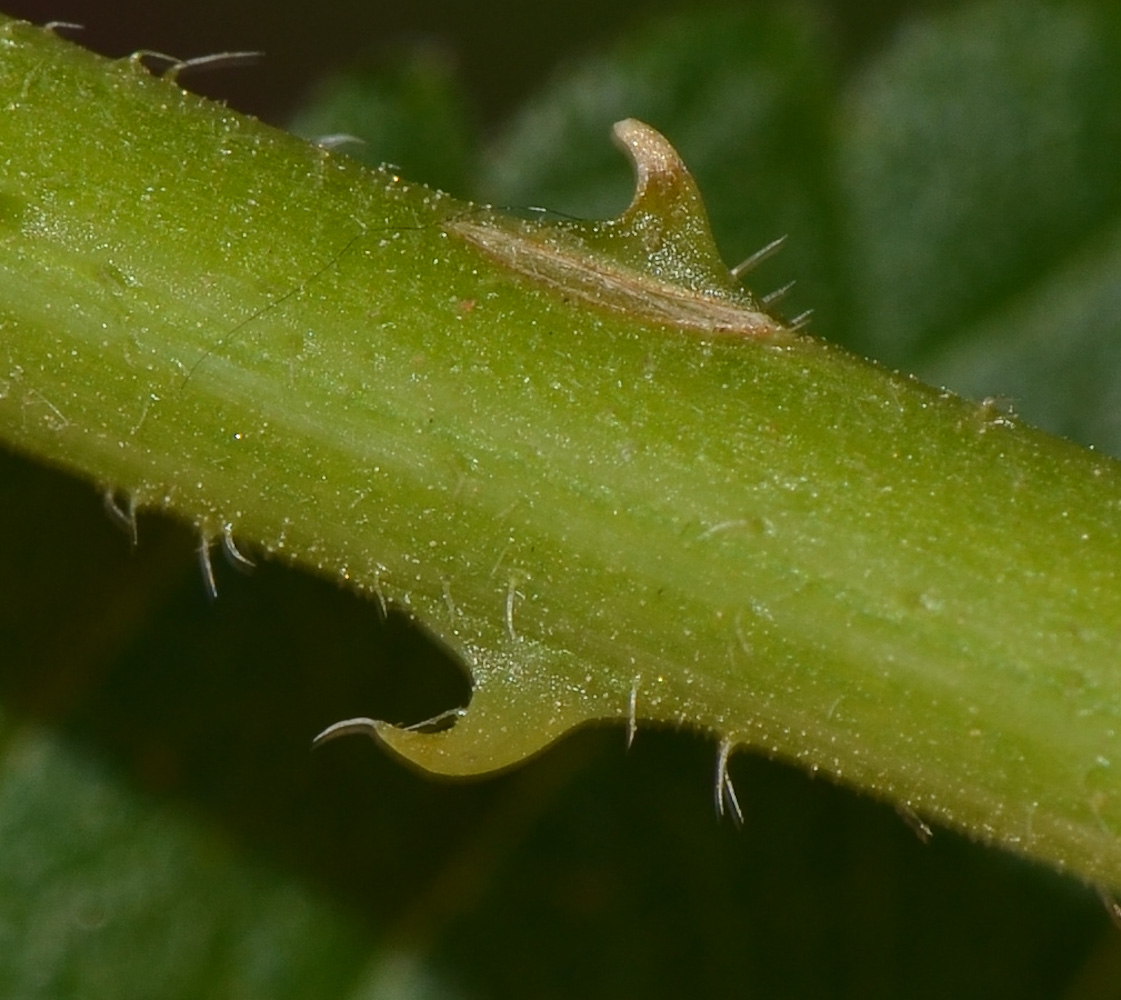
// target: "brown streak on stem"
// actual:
[[592, 278], [657, 261]]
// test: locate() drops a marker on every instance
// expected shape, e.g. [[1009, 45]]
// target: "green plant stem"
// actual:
[[608, 511]]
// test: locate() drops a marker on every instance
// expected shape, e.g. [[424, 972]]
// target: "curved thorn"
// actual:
[[154, 62], [347, 727], [335, 140], [169, 67], [207, 568], [123, 518], [230, 551], [727, 802], [216, 60]]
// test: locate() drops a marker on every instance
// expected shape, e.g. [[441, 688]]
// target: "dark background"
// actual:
[[503, 48]]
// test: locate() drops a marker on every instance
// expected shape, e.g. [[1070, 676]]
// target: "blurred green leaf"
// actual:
[[408, 110], [979, 159], [977, 156], [104, 893]]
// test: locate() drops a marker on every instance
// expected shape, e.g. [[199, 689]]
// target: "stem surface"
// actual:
[[577, 452]]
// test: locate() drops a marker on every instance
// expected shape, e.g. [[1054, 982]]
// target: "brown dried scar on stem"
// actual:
[[658, 260]]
